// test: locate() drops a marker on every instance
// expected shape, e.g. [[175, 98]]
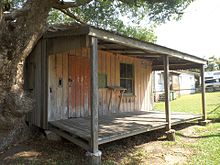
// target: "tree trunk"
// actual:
[[18, 36]]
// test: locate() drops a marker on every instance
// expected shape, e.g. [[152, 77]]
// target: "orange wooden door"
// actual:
[[78, 82]]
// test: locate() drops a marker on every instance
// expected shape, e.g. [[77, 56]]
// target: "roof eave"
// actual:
[[145, 46]]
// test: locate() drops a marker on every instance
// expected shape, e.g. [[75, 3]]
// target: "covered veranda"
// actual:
[[90, 132]]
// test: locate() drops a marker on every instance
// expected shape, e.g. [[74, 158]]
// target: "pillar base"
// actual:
[[170, 135], [204, 122], [94, 158]]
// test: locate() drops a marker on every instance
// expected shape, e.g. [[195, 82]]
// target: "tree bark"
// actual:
[[18, 36]]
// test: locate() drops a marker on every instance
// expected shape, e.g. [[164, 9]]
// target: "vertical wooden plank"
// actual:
[[59, 85], [76, 65], [36, 115], [145, 91], [86, 87], [202, 71], [150, 86], [81, 80], [136, 86], [83, 64], [117, 79], [94, 95], [167, 91], [88, 82], [71, 83], [112, 66], [86, 75], [105, 101], [108, 69], [146, 87], [117, 71], [100, 64], [44, 76], [52, 92], [65, 96], [139, 87]]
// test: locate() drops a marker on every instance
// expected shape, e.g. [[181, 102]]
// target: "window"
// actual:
[[127, 77]]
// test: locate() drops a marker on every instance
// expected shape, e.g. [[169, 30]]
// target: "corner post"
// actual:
[[204, 120], [202, 73], [94, 154], [170, 133]]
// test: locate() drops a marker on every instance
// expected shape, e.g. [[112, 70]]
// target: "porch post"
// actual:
[[204, 115], [94, 154], [170, 133]]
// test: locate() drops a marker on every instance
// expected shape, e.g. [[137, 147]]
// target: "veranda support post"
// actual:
[[94, 154], [204, 120], [170, 133]]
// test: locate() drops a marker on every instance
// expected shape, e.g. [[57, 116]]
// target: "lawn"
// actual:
[[192, 104], [194, 145], [207, 144]]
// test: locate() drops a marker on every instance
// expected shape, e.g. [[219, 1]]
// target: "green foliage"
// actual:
[[57, 17], [144, 34], [123, 16], [213, 64]]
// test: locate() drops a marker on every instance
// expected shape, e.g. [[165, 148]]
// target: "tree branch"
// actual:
[[66, 5], [1, 11], [16, 13], [67, 12]]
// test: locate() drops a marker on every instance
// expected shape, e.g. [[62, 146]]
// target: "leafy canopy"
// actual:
[[134, 18], [213, 64]]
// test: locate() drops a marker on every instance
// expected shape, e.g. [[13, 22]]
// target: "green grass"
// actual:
[[192, 104], [207, 144]]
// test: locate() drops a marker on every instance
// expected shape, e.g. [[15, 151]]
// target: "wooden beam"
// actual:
[[66, 31], [176, 66], [145, 46], [71, 138], [94, 94], [202, 71], [167, 91]]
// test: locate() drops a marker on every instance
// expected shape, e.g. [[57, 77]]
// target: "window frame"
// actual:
[[132, 78]]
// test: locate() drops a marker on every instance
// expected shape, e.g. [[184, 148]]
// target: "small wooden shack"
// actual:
[[93, 86]]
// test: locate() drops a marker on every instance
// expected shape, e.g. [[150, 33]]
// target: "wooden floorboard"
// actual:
[[121, 125]]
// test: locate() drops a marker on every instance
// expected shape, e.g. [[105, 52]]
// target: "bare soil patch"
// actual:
[[148, 148]]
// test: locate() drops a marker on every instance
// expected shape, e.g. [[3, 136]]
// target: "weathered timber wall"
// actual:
[[71, 69], [35, 81]]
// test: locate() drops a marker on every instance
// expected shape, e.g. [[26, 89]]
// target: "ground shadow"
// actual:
[[198, 137]]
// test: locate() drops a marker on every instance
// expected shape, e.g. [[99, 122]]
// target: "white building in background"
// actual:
[[212, 75], [181, 83], [212, 81], [187, 83]]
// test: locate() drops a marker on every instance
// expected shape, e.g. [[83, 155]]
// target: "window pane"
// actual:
[[126, 77], [123, 83], [123, 70], [129, 86], [129, 71]]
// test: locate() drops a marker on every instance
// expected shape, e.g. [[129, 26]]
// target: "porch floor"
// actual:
[[118, 126]]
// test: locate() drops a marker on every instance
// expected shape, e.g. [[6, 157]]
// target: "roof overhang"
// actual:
[[116, 43]]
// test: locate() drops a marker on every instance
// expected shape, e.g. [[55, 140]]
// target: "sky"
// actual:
[[197, 33]]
